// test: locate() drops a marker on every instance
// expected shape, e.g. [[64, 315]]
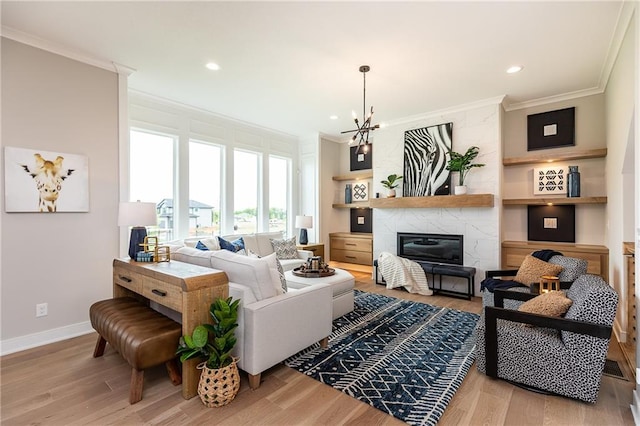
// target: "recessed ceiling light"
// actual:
[[333, 117], [514, 69], [213, 66]]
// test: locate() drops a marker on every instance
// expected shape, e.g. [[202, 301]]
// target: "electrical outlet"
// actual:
[[42, 309]]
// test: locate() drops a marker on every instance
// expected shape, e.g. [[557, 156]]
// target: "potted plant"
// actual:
[[220, 379], [391, 183], [462, 164]]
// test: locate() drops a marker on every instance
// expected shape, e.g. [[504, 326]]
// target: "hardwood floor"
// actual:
[[61, 384]]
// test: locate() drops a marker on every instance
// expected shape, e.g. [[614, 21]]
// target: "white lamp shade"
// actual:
[[136, 213], [304, 222]]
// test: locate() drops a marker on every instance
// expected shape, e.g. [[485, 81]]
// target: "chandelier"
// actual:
[[362, 131]]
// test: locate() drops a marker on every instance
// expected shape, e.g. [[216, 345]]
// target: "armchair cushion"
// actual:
[[572, 267], [532, 269], [552, 303]]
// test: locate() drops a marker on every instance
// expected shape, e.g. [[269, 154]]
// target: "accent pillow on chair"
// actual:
[[552, 303], [285, 249], [532, 269]]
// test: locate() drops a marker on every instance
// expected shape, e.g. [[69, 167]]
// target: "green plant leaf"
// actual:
[[200, 336], [188, 341]]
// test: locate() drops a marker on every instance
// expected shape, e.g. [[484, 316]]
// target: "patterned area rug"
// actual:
[[404, 358]]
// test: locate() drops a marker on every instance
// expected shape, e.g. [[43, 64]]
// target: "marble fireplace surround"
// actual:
[[477, 125]]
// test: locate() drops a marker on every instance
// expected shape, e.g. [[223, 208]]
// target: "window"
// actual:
[[245, 190], [151, 177], [278, 193], [205, 165]]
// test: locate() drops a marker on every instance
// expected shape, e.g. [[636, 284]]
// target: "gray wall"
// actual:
[[56, 104]]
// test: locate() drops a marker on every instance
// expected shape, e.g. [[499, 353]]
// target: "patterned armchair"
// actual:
[[564, 356], [572, 268]]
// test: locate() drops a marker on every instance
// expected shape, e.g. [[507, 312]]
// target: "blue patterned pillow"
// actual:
[[285, 249], [233, 246], [201, 246]]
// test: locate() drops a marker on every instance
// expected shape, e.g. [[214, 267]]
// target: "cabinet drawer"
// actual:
[[127, 279], [357, 244], [349, 256], [163, 293]]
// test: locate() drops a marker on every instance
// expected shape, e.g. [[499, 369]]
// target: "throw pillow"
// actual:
[[274, 265], [532, 269], [233, 246], [201, 246], [285, 249], [553, 304]]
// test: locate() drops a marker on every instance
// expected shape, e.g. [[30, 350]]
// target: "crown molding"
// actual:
[[58, 49], [624, 20], [554, 98]]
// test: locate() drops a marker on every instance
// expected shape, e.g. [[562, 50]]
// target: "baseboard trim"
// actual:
[[634, 408], [34, 340]]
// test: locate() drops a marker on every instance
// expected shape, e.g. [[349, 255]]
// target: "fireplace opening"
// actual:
[[436, 248]]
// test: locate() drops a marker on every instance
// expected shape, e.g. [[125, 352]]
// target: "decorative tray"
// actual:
[[313, 273]]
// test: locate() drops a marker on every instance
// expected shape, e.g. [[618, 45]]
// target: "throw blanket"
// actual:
[[545, 254], [401, 272], [493, 283]]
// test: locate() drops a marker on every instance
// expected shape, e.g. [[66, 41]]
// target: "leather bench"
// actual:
[[142, 336]]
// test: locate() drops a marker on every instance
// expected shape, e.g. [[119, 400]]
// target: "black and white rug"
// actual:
[[404, 358]]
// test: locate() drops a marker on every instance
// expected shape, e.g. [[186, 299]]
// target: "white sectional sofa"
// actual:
[[272, 325]]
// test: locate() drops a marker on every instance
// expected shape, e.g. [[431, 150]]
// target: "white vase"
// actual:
[[391, 193], [460, 189]]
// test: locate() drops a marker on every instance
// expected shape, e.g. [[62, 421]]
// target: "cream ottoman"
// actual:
[[341, 282]]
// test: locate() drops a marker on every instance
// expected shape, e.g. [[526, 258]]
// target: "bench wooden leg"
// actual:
[[99, 349], [174, 372], [254, 380], [324, 342], [137, 381]]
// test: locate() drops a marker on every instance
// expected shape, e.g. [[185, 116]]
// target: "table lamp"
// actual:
[[137, 215], [304, 222]]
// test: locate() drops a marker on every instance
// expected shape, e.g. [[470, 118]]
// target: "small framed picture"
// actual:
[[551, 129], [360, 160], [552, 223]]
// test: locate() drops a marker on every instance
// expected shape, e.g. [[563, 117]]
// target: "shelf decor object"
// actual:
[[360, 191], [152, 251], [362, 132], [348, 194], [552, 223], [573, 182], [549, 180], [551, 129], [304, 223], [425, 171]]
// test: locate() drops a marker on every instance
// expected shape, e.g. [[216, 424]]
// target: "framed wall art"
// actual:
[[552, 223], [549, 180], [361, 220], [360, 191], [425, 161], [360, 160], [551, 129], [45, 181]]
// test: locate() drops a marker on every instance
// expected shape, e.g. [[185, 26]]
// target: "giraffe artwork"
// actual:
[[61, 182], [49, 177]]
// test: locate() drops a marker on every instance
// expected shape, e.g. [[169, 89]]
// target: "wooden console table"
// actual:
[[183, 287]]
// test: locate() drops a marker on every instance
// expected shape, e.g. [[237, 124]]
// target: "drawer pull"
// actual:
[[351, 257], [159, 292], [125, 279], [350, 244]]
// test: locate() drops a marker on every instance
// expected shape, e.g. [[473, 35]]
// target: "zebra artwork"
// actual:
[[425, 161]]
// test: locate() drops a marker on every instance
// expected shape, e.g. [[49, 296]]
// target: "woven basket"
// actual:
[[218, 387]]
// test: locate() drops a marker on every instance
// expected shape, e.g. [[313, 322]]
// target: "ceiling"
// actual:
[[289, 66]]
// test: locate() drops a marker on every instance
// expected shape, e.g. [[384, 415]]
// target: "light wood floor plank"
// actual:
[[77, 389]]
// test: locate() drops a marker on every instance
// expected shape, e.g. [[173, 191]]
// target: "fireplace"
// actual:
[[436, 248]]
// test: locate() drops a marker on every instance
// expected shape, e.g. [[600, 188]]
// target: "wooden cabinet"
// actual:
[[597, 257], [352, 248], [317, 249]]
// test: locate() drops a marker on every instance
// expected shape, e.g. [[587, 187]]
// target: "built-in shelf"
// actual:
[[358, 205], [355, 176], [434, 202], [551, 200], [552, 157]]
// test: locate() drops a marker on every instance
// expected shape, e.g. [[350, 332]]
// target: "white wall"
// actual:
[[479, 126], [619, 115], [57, 104]]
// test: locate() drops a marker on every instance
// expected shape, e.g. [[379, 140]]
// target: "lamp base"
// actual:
[[303, 237], [137, 237]]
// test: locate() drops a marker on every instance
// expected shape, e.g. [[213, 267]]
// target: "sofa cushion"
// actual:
[[285, 249], [193, 255], [532, 269], [277, 273], [232, 246], [260, 243], [245, 270]]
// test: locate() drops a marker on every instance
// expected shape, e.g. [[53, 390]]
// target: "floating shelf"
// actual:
[[552, 157], [358, 205], [551, 200], [355, 176], [434, 202]]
